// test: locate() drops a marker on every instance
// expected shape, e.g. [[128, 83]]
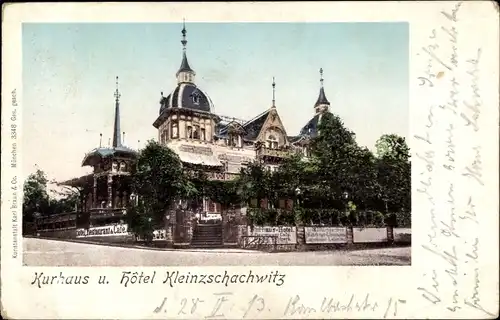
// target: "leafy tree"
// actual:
[[392, 146], [36, 199], [65, 204], [223, 192], [254, 182], [394, 176], [159, 180], [342, 166]]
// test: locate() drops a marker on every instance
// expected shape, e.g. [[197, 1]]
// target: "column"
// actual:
[[125, 199], [109, 203], [205, 204], [169, 227], [94, 194], [239, 141]]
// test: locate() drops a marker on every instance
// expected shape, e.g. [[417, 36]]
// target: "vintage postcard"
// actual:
[[250, 160]]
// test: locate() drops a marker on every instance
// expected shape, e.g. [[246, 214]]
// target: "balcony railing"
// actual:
[[106, 212], [278, 153]]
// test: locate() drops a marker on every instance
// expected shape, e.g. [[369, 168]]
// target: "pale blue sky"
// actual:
[[69, 75]]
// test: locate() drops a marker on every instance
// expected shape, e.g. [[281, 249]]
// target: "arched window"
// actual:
[[123, 166], [175, 130], [115, 166], [272, 142], [196, 132]]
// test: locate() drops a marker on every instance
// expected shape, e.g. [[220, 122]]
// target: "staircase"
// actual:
[[207, 235]]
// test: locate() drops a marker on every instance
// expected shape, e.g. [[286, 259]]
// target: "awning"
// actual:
[[196, 155]]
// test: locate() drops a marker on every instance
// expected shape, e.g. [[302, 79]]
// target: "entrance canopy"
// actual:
[[202, 155]]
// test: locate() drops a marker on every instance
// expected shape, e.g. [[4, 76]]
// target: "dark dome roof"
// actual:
[[311, 128], [187, 96]]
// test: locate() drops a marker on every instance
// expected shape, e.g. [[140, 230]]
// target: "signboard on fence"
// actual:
[[158, 235], [286, 235], [326, 235], [104, 231], [360, 235], [211, 216], [402, 235]]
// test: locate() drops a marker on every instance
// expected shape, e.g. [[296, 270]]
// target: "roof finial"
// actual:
[[117, 92], [184, 41], [100, 140], [185, 73], [116, 128], [274, 93], [321, 76]]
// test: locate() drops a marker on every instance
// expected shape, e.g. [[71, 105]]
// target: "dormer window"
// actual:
[[196, 97]]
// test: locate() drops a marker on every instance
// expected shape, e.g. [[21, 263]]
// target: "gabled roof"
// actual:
[[254, 126], [311, 127], [232, 125]]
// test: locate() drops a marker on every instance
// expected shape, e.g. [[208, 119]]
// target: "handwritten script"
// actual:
[[223, 304], [451, 166]]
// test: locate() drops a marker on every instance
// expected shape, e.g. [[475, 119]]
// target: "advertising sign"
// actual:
[[286, 235], [104, 231], [325, 235], [361, 235]]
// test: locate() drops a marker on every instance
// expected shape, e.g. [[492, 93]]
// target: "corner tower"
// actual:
[[186, 113]]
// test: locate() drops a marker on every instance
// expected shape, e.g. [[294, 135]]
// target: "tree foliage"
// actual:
[[36, 198], [394, 175], [341, 183], [392, 146], [158, 181]]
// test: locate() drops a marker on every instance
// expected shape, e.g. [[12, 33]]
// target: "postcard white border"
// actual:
[[477, 24]]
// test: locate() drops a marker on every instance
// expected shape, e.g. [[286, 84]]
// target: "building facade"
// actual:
[[187, 124], [222, 145]]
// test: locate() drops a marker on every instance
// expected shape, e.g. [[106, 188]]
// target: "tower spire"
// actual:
[[322, 103], [116, 128], [185, 73], [274, 94]]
